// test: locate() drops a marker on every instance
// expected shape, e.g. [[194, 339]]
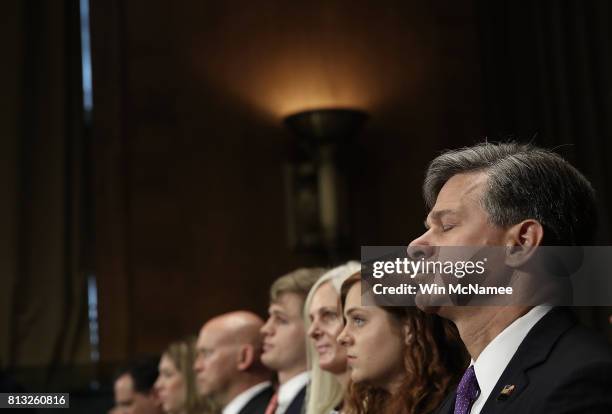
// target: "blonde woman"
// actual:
[[326, 358], [175, 384]]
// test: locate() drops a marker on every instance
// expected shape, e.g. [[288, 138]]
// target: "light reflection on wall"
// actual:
[[291, 59]]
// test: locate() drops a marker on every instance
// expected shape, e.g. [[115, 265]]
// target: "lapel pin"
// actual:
[[506, 392]]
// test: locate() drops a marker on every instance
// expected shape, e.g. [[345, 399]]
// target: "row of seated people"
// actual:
[[323, 351], [304, 358]]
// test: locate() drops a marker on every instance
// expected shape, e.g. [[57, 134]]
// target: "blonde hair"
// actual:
[[182, 354], [299, 282], [324, 391]]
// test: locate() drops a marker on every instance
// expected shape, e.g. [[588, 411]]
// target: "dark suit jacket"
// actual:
[[298, 402], [8, 385], [259, 403], [560, 367]]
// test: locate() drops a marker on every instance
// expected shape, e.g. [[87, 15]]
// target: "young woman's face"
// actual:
[[170, 386], [325, 326], [374, 343]]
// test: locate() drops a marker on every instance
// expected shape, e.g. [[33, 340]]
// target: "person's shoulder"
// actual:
[[561, 364], [578, 368], [582, 387], [296, 405], [258, 402], [580, 346]]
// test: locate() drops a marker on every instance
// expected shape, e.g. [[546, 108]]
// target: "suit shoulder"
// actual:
[[580, 346], [259, 402], [585, 389], [580, 360]]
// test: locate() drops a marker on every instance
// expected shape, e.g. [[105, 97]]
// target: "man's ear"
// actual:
[[246, 357], [523, 240]]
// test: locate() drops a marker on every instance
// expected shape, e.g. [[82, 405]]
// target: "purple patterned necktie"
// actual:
[[467, 391]]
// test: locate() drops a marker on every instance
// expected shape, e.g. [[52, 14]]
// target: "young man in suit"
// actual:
[[525, 359], [228, 364], [284, 348]]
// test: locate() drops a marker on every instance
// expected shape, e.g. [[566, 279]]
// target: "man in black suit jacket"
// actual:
[[525, 359], [9, 386], [297, 403], [258, 403], [560, 367], [228, 365], [134, 388]]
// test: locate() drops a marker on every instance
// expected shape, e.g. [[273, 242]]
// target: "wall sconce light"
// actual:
[[317, 178]]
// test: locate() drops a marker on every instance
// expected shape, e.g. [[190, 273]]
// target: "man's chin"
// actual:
[[426, 303], [268, 361], [430, 309]]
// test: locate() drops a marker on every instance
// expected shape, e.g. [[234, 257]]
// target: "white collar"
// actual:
[[243, 398], [291, 388], [494, 359]]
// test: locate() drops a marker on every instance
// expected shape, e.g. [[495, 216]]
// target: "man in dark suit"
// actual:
[[9, 386], [525, 359], [134, 388], [228, 365]]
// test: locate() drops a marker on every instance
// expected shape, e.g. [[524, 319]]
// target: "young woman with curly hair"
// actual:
[[401, 360]]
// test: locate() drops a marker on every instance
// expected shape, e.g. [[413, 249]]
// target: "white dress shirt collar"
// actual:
[[494, 359], [288, 391], [244, 397]]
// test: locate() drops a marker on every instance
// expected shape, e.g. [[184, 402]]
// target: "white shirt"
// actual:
[[244, 397], [288, 391], [494, 359]]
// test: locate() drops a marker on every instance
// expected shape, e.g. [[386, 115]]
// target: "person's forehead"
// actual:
[[354, 294], [287, 302], [166, 362], [325, 295], [212, 334], [200, 338], [461, 190], [353, 298]]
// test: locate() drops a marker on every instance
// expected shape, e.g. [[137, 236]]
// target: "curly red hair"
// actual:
[[434, 359]]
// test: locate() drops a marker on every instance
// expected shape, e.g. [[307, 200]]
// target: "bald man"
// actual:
[[228, 364]]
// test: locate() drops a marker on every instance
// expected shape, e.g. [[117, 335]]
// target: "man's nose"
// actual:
[[266, 328], [418, 251]]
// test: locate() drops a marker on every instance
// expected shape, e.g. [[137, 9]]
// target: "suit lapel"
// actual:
[[259, 402], [298, 401], [534, 349]]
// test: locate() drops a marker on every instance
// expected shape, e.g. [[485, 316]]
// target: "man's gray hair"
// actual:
[[524, 182]]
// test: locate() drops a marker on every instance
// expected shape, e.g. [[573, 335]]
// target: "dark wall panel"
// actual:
[[191, 204]]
